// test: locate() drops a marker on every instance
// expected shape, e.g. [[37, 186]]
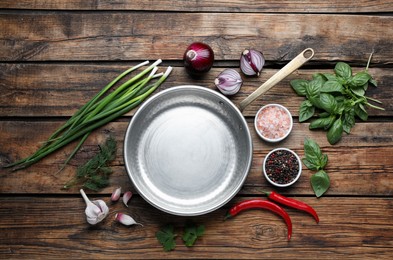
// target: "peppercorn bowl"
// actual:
[[273, 122], [282, 167]]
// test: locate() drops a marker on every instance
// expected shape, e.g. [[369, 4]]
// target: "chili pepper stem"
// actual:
[[227, 216]]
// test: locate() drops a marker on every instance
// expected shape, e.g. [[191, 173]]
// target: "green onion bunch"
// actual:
[[103, 108]]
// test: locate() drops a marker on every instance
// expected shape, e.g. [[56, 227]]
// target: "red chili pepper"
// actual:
[[293, 204], [261, 204]]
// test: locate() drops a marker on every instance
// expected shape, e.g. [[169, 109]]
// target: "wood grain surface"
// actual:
[[56, 55]]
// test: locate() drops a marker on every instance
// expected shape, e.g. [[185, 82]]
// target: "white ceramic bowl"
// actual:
[[294, 179], [273, 122]]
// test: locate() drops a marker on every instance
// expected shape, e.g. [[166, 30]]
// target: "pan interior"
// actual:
[[188, 150]]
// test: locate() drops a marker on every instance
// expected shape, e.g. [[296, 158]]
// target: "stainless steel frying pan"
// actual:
[[188, 149]]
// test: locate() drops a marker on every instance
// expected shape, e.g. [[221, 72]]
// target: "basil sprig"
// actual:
[[315, 160], [336, 99]]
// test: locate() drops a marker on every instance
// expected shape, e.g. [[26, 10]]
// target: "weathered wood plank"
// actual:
[[334, 6], [149, 35], [45, 90], [50, 227], [359, 164]]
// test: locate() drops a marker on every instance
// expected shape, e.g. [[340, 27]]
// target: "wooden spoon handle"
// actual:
[[293, 65]]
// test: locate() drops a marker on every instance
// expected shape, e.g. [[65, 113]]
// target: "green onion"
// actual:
[[100, 110]]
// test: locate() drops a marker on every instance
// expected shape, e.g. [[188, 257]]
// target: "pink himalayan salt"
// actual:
[[273, 122]]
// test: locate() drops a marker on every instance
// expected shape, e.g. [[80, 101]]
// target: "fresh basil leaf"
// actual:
[[324, 122], [335, 131], [360, 79], [311, 165], [373, 82], [299, 85], [330, 76], [328, 102], [323, 161], [312, 151], [332, 86], [324, 114], [361, 112], [359, 91], [343, 70], [306, 110], [319, 79], [348, 120], [320, 182], [313, 91]]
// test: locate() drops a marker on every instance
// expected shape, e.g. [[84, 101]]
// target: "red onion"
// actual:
[[251, 62], [198, 58], [228, 82]]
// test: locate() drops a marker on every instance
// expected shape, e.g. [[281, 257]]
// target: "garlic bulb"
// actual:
[[96, 210]]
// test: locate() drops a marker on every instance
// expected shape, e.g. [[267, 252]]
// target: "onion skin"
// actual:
[[252, 62], [198, 58]]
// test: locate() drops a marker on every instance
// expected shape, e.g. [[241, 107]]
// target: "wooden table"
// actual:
[[55, 55]]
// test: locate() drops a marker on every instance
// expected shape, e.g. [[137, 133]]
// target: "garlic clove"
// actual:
[[126, 219], [126, 197], [116, 194], [96, 210], [228, 82]]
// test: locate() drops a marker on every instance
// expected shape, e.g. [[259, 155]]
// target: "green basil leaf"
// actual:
[[373, 82], [343, 70], [312, 151], [330, 76], [324, 122], [335, 132], [360, 79], [332, 86], [359, 91], [311, 165], [328, 103], [319, 79], [306, 110], [361, 112], [299, 85], [323, 161], [312, 92], [320, 182], [348, 120]]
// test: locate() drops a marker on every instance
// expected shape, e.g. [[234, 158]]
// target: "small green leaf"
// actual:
[[359, 91], [324, 122], [330, 77], [348, 120], [360, 79], [314, 160], [343, 70], [192, 232], [361, 112], [332, 86], [335, 132], [311, 165], [373, 82], [328, 103], [320, 182], [166, 237], [299, 85], [306, 110], [319, 79]]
